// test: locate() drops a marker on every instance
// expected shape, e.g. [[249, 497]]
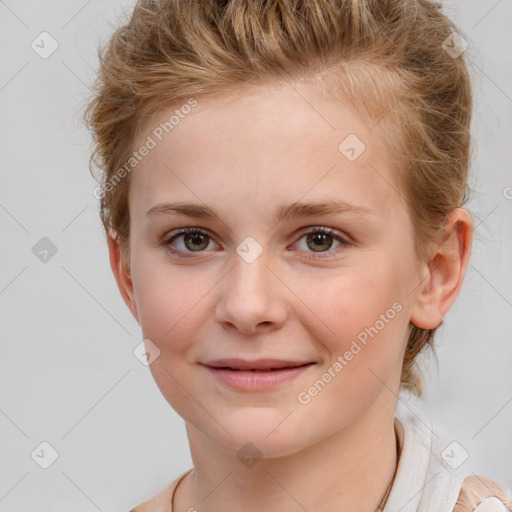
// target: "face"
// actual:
[[248, 273]]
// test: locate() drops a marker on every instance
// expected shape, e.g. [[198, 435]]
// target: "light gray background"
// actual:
[[68, 375]]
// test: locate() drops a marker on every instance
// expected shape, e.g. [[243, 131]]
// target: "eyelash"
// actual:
[[317, 229]]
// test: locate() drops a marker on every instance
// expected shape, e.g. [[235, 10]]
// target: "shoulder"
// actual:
[[162, 501], [481, 494]]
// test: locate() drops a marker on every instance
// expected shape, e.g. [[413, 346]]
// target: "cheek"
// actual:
[[344, 305], [173, 303], [170, 312], [162, 296], [364, 351], [360, 324]]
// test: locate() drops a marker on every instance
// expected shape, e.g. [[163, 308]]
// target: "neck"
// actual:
[[350, 471]]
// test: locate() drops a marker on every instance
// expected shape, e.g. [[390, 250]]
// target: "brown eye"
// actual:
[[187, 241], [196, 241], [319, 241]]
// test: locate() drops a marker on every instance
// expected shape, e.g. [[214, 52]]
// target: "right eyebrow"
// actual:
[[188, 209]]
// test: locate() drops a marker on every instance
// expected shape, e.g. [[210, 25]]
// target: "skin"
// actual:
[[244, 156]]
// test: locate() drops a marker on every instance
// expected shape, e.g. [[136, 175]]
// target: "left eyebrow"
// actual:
[[298, 209], [284, 212]]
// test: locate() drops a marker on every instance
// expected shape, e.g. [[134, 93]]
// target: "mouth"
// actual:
[[256, 376], [260, 365]]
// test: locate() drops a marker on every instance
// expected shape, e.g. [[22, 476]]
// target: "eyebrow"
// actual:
[[284, 212]]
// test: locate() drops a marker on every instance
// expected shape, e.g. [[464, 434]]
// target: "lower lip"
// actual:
[[257, 380]]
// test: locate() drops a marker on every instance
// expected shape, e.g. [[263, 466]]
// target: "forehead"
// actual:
[[262, 145]]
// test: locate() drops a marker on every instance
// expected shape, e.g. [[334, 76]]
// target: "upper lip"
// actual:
[[258, 364]]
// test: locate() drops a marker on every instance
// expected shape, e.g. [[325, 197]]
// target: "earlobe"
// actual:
[[121, 270], [444, 273]]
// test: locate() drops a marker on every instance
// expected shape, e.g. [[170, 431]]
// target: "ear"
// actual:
[[121, 271], [444, 272]]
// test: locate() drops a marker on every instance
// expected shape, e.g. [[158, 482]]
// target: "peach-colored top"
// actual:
[[161, 502], [477, 494]]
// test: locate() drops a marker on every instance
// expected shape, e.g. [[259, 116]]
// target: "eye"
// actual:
[[188, 240], [320, 240]]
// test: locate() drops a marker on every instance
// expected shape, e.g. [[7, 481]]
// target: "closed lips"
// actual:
[[255, 366], [260, 370]]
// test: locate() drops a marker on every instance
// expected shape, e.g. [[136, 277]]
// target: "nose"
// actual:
[[252, 298]]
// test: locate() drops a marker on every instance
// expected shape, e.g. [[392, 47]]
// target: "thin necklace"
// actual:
[[384, 500]]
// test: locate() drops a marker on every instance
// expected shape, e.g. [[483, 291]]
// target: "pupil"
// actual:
[[196, 239], [320, 238]]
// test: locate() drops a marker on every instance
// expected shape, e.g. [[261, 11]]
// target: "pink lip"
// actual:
[[259, 375]]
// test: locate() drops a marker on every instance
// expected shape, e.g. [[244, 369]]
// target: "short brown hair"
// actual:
[[387, 57]]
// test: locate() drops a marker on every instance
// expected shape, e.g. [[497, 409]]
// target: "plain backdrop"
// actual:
[[68, 375]]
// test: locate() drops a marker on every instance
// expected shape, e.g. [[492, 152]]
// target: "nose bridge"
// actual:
[[250, 265], [249, 279], [251, 294]]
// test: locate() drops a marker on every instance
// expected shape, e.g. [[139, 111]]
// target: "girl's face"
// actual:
[[257, 176]]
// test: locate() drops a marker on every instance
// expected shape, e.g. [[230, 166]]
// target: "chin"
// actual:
[[260, 434]]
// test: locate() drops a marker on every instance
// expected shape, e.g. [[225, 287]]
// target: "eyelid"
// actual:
[[184, 230], [344, 240], [323, 229]]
